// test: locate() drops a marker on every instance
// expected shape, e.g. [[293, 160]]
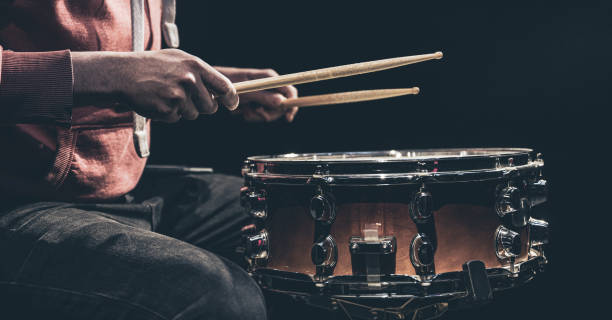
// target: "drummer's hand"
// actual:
[[261, 105], [164, 85]]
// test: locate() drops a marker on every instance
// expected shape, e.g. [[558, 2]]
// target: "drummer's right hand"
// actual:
[[164, 85]]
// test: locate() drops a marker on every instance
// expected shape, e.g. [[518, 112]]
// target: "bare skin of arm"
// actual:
[[166, 85]]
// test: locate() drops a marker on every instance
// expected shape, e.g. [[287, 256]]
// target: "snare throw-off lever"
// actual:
[[371, 255]]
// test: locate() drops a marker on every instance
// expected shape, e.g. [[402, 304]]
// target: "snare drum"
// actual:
[[393, 234]]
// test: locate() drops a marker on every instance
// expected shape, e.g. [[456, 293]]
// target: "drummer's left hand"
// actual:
[[261, 105]]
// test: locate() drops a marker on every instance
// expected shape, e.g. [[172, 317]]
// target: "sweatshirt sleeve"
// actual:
[[36, 87]]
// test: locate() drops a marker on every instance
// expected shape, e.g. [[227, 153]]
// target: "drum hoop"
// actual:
[[500, 279], [497, 163], [493, 153], [386, 179]]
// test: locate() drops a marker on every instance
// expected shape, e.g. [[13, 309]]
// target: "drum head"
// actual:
[[393, 166]]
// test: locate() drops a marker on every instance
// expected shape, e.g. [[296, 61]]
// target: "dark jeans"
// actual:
[[163, 252]]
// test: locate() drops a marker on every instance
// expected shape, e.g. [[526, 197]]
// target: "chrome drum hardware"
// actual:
[[322, 208], [254, 202], [255, 239], [373, 257], [507, 243], [422, 252], [538, 191], [325, 253], [513, 204], [508, 201], [399, 234], [257, 246], [424, 243], [538, 232], [421, 207]]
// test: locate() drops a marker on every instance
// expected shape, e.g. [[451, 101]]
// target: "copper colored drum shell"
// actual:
[[464, 231]]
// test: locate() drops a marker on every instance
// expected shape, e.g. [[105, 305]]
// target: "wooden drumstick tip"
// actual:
[[416, 89], [332, 72]]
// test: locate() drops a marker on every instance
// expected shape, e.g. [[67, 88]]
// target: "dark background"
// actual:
[[513, 75]]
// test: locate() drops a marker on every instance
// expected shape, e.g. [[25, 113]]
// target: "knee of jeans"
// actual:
[[228, 292]]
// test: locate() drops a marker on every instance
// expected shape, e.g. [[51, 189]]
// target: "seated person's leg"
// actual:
[[58, 261], [202, 209]]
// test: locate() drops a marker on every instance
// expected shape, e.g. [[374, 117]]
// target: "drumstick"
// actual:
[[346, 97], [331, 73]]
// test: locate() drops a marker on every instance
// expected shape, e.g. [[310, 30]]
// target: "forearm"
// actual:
[[164, 85], [36, 87], [95, 76]]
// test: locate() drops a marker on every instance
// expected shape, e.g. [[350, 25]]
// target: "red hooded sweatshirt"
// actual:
[[52, 149]]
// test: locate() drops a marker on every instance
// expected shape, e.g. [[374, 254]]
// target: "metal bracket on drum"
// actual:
[[477, 282], [423, 246], [322, 208], [422, 253], [538, 191], [421, 206], [373, 257], [256, 246], [538, 237], [507, 246], [254, 202], [507, 243], [255, 239], [512, 206], [324, 255]]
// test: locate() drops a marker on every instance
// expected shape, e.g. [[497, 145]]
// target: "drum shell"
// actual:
[[464, 218]]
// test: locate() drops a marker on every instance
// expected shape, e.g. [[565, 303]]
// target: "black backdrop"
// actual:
[[515, 75]]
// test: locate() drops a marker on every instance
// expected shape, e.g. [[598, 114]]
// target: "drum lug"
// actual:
[[538, 232], [507, 243], [423, 245], [421, 206], [422, 251], [508, 201], [254, 202], [513, 205], [323, 207], [257, 246], [538, 191], [324, 255]]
